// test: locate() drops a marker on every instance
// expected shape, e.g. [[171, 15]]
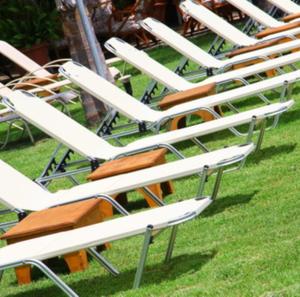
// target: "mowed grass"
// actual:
[[246, 243]]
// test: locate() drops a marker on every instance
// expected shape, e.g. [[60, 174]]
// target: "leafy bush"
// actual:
[[24, 23]]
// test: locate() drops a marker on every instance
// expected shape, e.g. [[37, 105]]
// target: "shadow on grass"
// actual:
[[107, 285], [271, 151], [220, 204]]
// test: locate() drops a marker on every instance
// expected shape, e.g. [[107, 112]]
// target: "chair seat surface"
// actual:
[[65, 242]]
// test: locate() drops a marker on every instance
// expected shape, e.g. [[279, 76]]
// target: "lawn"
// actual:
[[245, 244]]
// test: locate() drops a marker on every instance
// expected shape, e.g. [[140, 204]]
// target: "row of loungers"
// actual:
[[30, 196]]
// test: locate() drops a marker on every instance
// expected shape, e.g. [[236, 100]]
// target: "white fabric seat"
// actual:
[[89, 145], [160, 73], [30, 196], [226, 30], [201, 57], [256, 13], [116, 98], [46, 247], [34, 68], [287, 6], [144, 223]]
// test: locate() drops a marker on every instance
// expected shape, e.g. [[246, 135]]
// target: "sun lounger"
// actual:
[[6, 115], [147, 223], [287, 6], [36, 70], [201, 57], [228, 31], [114, 97], [92, 147], [37, 198], [173, 81], [259, 15]]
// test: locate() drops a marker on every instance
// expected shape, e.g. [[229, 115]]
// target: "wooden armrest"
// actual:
[[270, 31], [291, 17], [188, 95], [251, 48]]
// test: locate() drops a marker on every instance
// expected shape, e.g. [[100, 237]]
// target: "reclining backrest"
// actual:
[[107, 92], [147, 65], [256, 13], [286, 5], [18, 191], [59, 126], [180, 43], [216, 23], [22, 60]]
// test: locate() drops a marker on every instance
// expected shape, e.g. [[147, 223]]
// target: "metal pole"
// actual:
[[90, 37]]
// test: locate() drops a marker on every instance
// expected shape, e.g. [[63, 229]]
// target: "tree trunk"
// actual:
[[81, 52]]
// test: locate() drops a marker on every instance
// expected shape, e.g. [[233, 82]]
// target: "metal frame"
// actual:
[[148, 236], [58, 168]]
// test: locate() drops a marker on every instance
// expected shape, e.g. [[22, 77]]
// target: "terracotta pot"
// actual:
[[38, 53]]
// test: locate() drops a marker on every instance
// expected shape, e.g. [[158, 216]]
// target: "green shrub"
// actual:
[[24, 23]]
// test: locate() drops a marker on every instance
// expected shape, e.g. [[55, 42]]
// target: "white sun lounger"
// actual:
[[37, 198], [173, 81], [89, 145], [256, 13], [226, 30], [116, 98], [287, 6], [147, 223], [6, 115], [33, 68], [201, 57]]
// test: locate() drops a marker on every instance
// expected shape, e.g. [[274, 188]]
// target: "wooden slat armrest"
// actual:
[[270, 31], [185, 96], [252, 48], [291, 17]]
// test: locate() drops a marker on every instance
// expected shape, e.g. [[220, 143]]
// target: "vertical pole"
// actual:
[[140, 269], [90, 37], [171, 244]]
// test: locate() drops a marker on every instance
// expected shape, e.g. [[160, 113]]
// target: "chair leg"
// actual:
[[51, 275], [77, 261], [167, 188], [156, 190], [143, 257], [171, 244], [105, 263], [23, 274]]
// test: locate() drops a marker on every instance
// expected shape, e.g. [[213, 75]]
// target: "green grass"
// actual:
[[245, 244]]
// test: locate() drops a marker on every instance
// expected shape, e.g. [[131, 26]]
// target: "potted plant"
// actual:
[[30, 25]]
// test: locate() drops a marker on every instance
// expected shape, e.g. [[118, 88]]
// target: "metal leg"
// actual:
[[153, 197], [261, 136], [202, 181], [144, 253], [171, 244], [51, 275], [105, 263], [201, 145], [217, 184], [28, 132]]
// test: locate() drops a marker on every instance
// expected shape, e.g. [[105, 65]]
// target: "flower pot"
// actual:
[[38, 53]]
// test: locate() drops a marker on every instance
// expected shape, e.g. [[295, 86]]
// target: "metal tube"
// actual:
[[217, 184], [141, 265], [171, 243], [51, 275], [203, 181], [261, 135], [90, 37], [105, 263]]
